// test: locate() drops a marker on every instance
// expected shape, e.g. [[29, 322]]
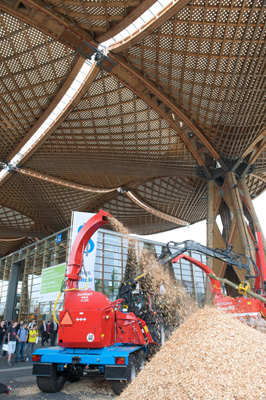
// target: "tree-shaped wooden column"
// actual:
[[232, 202]]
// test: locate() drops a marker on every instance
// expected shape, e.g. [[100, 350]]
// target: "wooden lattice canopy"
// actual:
[[179, 102]]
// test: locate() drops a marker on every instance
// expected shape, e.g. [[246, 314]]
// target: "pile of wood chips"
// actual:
[[212, 356], [175, 303]]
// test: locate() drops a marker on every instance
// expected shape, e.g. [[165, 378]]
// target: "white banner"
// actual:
[[89, 256]]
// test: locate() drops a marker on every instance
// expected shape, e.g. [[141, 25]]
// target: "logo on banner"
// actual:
[[90, 246]]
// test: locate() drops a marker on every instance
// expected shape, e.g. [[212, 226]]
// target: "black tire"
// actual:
[[119, 386], [51, 384], [157, 332], [140, 359]]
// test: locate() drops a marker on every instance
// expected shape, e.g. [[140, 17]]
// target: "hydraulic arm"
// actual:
[[228, 256], [175, 250]]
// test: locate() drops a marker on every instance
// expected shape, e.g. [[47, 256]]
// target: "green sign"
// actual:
[[51, 282]]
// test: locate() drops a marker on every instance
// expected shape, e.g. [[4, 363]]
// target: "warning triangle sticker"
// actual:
[[67, 319]]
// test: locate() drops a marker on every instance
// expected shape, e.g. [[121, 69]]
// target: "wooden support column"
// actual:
[[214, 236], [242, 235], [210, 219], [210, 232], [252, 211]]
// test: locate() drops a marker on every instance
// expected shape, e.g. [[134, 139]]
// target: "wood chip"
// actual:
[[212, 356]]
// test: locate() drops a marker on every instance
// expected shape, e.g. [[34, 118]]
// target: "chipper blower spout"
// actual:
[[76, 254]]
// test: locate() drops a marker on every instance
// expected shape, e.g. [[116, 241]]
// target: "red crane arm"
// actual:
[[76, 254], [215, 286]]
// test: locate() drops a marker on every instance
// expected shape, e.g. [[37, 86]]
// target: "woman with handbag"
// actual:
[[33, 338]]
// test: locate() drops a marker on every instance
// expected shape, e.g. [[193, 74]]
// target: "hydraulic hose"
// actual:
[[59, 295]]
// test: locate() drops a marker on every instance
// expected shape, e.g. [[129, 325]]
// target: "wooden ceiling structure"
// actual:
[[176, 104]]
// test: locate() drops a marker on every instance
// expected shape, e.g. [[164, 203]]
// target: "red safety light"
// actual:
[[36, 357], [120, 360]]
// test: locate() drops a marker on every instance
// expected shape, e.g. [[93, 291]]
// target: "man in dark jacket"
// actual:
[[43, 330]]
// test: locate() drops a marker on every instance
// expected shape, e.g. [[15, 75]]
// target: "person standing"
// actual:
[[33, 334], [5, 341], [22, 336], [2, 334], [48, 331], [43, 330], [53, 332], [33, 322], [21, 323], [11, 338]]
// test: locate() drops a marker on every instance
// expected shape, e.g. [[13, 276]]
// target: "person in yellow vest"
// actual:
[[33, 335]]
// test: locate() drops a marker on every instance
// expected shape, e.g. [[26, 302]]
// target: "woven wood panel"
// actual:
[[11, 246], [256, 184], [259, 166], [184, 198], [32, 69], [111, 138], [210, 57], [98, 17], [48, 205], [14, 224]]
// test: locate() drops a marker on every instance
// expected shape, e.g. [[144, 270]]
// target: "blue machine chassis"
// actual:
[[102, 360]]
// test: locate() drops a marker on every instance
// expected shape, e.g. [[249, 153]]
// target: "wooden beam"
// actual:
[[127, 20], [158, 20], [263, 178], [150, 209], [254, 151], [61, 182], [252, 211], [13, 239]]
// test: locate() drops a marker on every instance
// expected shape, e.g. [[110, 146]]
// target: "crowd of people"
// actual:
[[20, 338]]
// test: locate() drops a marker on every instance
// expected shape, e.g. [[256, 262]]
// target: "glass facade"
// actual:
[[116, 260]]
